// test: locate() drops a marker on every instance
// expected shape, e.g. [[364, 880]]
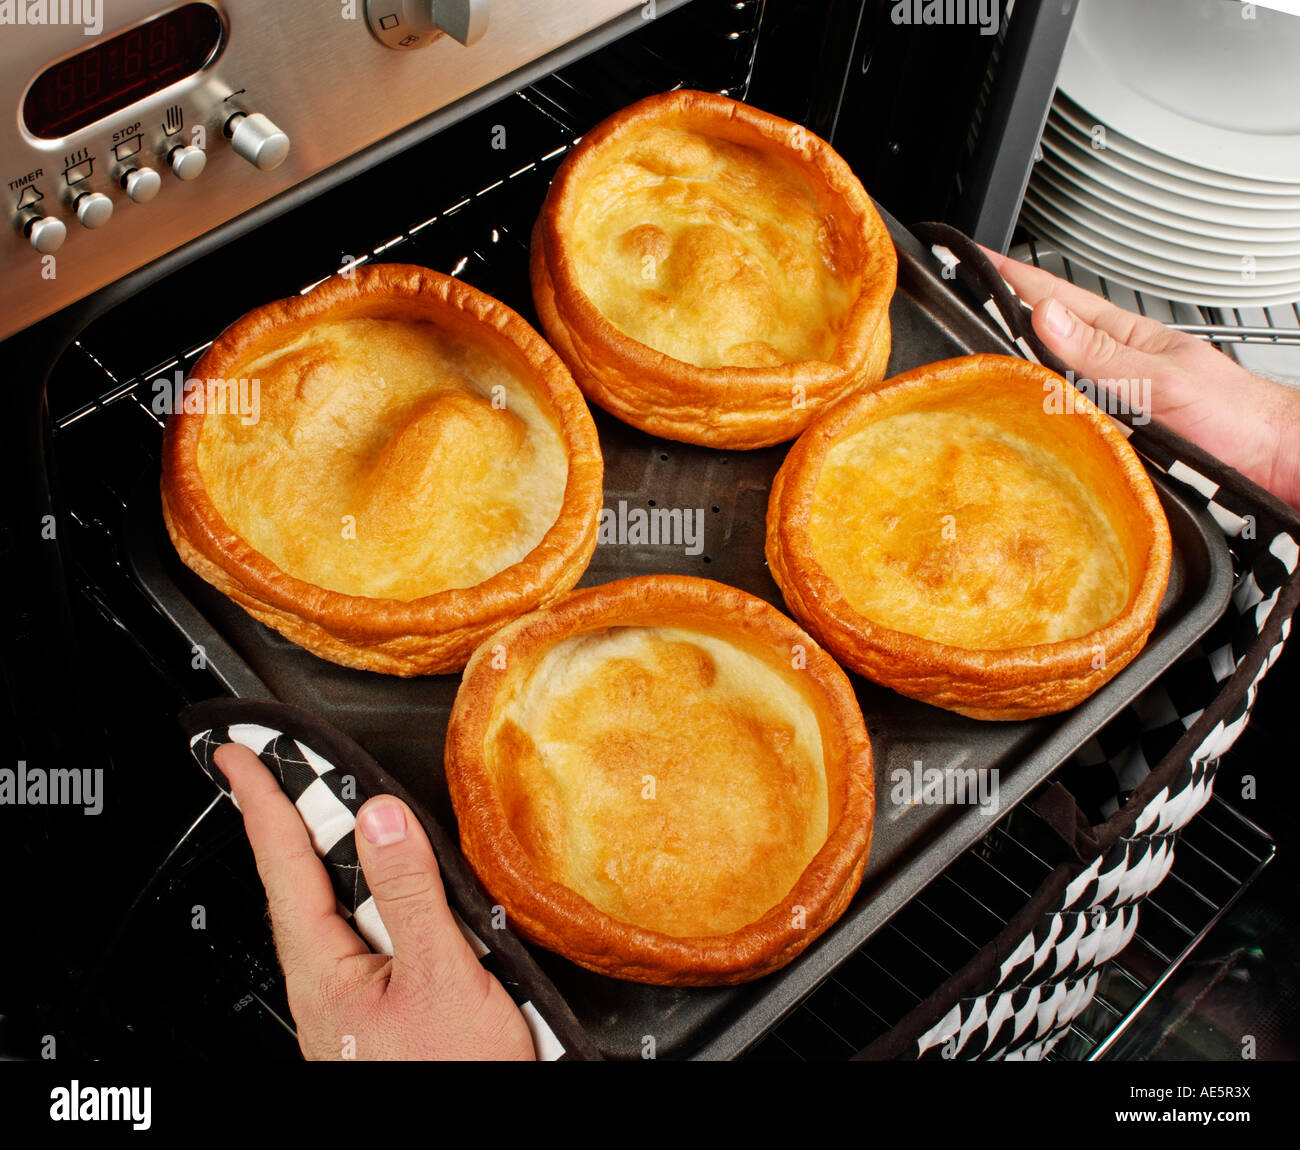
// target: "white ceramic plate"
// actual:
[[1075, 183], [1169, 201], [1210, 82], [1174, 288], [1063, 108], [1165, 259], [1141, 246], [1069, 201], [1108, 157]]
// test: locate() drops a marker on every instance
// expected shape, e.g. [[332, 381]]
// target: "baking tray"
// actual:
[[402, 722]]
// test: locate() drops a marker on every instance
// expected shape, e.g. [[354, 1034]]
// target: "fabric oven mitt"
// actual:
[[328, 777]]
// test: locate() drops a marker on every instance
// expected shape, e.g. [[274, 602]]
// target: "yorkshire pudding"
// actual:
[[712, 273], [663, 779], [974, 534], [418, 470]]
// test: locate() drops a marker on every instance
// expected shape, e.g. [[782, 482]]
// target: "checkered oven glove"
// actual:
[[328, 800], [1200, 705], [1265, 557]]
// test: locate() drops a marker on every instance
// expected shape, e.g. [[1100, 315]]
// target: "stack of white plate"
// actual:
[[1171, 156]]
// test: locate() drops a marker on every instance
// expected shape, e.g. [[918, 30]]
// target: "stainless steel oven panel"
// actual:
[[313, 68]]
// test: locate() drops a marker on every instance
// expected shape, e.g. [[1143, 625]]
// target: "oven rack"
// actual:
[[1218, 855], [1264, 340], [98, 395], [961, 911]]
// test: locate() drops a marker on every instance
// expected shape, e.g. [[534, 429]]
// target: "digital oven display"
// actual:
[[111, 75]]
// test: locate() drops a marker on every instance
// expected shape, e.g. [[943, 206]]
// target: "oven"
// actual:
[[171, 167]]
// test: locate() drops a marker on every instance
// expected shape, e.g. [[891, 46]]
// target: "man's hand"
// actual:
[[1252, 424], [431, 999]]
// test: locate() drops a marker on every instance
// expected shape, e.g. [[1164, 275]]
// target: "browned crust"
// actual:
[[1017, 683], [436, 633], [558, 918], [731, 407]]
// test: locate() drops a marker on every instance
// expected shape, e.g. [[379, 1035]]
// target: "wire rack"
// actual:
[[101, 396], [1219, 854], [1265, 340]]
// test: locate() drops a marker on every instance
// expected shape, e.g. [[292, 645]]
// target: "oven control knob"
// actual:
[[46, 233], [141, 184], [417, 23], [187, 161], [94, 209], [258, 140]]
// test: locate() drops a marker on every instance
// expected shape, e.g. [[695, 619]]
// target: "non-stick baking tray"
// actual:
[[402, 722]]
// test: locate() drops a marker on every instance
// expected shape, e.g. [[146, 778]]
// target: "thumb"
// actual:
[[402, 874], [1090, 351]]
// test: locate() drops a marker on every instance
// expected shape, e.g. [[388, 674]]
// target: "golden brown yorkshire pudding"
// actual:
[[712, 273], [662, 779], [418, 470], [974, 534]]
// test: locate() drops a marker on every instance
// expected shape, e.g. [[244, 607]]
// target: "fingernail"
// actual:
[[1057, 319], [220, 753], [383, 824]]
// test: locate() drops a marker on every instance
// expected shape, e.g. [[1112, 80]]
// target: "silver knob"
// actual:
[[258, 140], [141, 184], [187, 161], [416, 23], [46, 234], [94, 209]]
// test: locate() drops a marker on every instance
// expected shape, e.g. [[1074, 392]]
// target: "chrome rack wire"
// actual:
[[1243, 333], [1219, 854], [1265, 340]]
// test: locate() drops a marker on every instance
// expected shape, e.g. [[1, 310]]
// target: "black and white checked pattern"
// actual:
[[328, 800], [1050, 976]]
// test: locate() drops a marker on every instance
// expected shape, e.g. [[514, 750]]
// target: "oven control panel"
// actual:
[[138, 126]]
